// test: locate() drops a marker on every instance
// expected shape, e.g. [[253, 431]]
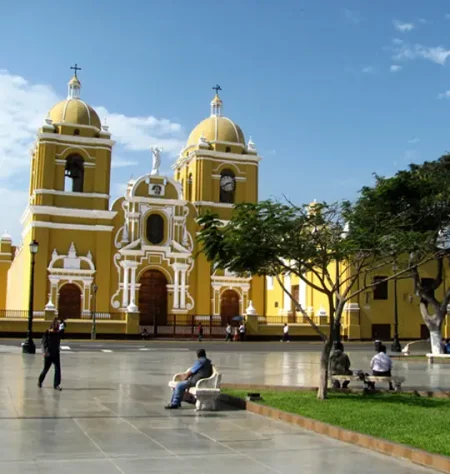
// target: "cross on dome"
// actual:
[[74, 84], [75, 68], [216, 103]]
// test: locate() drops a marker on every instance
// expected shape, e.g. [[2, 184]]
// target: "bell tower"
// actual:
[[68, 212], [216, 168]]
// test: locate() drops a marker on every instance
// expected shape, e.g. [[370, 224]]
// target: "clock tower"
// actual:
[[217, 168]]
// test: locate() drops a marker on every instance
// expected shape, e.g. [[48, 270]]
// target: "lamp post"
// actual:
[[396, 346], [94, 308], [28, 347], [337, 325]]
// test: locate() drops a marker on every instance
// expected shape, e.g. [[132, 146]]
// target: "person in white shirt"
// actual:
[[285, 333], [381, 365], [228, 330], [242, 332]]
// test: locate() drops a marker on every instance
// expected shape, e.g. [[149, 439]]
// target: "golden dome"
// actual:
[[216, 128], [75, 111]]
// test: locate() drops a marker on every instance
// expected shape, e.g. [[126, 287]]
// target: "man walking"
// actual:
[[228, 330], [50, 348], [285, 333], [202, 369]]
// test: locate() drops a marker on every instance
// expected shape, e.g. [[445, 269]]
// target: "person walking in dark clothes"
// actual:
[[50, 348], [200, 332]]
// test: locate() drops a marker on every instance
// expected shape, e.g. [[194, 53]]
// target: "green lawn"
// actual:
[[403, 418]]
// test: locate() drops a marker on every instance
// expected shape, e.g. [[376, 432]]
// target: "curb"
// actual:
[[416, 456]]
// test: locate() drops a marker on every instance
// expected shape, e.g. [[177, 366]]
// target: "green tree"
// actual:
[[420, 197], [269, 238]]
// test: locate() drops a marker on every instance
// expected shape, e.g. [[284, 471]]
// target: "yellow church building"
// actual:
[[135, 263]]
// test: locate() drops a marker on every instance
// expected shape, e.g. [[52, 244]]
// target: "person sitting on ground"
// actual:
[[381, 365], [340, 365], [144, 334], [202, 369]]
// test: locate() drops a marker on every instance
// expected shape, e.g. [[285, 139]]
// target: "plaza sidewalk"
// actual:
[[110, 418]]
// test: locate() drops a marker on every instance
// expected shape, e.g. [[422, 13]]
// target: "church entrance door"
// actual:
[[69, 305], [153, 299], [229, 306]]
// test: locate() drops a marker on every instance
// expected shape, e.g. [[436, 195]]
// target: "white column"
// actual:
[[87, 296], [132, 306], [183, 288], [287, 300], [52, 296], [176, 289], [125, 291]]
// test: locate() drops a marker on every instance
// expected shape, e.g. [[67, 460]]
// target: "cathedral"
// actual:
[[134, 262]]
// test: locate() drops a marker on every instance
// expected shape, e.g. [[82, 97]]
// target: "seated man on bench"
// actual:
[[202, 369], [381, 365], [340, 365]]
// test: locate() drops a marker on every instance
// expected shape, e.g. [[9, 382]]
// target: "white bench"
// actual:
[[346, 378], [206, 391], [396, 381], [431, 357]]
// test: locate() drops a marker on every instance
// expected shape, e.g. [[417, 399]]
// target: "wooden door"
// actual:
[[69, 305], [381, 332], [153, 299], [229, 306]]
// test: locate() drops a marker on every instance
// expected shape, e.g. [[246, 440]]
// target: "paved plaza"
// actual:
[[110, 417]]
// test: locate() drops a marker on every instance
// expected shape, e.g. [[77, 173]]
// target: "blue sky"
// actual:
[[330, 91]]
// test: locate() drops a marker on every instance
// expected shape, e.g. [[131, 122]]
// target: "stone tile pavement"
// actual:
[[110, 418]]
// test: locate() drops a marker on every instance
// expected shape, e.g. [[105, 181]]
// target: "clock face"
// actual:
[[227, 183]]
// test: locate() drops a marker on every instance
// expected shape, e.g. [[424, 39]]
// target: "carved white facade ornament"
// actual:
[[250, 309], [202, 143], [71, 268], [251, 147]]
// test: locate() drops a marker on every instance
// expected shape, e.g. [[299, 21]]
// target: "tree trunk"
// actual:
[[434, 325], [435, 340], [324, 364]]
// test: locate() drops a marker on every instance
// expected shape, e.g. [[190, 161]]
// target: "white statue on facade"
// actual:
[[156, 151]]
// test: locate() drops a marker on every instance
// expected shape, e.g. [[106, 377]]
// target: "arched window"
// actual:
[[227, 149], [74, 174], [76, 131], [155, 229], [227, 186]]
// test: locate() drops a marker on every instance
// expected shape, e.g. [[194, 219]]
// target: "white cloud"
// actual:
[[141, 133], [368, 70], [352, 17], [122, 163], [23, 107], [403, 27], [14, 203], [414, 141], [424, 21], [444, 95], [403, 51], [395, 68]]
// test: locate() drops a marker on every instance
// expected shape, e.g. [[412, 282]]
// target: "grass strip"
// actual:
[[409, 419]]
